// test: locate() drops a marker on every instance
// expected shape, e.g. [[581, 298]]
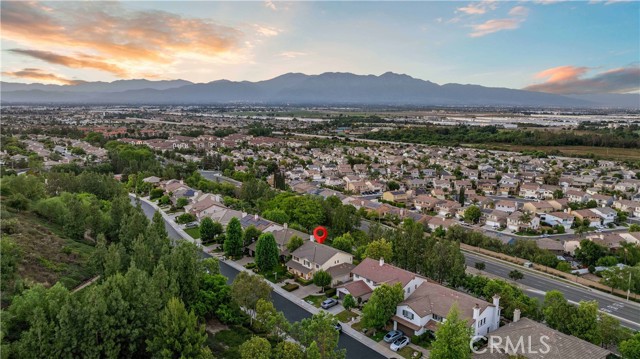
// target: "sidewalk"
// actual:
[[381, 348], [167, 218]]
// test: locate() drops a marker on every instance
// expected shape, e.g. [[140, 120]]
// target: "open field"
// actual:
[[619, 154]]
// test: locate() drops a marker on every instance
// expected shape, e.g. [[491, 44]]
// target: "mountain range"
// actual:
[[388, 89]]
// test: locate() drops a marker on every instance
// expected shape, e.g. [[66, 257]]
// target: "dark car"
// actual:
[[329, 303], [337, 326], [392, 336]]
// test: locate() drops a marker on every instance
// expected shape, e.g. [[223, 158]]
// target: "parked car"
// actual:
[[191, 225], [392, 336], [338, 327], [528, 264], [400, 343], [329, 303]]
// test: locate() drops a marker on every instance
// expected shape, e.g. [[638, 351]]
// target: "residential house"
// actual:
[[427, 307], [538, 207], [312, 257], [593, 218], [436, 222], [558, 219], [495, 218], [506, 206], [516, 224], [396, 196], [607, 215], [631, 207]]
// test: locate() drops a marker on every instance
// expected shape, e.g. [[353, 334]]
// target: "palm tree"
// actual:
[[525, 217]]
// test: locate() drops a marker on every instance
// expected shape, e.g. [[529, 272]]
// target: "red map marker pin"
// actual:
[[320, 234]]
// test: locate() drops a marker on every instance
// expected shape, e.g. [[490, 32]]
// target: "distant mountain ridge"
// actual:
[[330, 88]]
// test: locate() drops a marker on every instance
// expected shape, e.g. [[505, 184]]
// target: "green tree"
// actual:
[[472, 214], [564, 266], [208, 230], [270, 321], [247, 289], [557, 311], [251, 234], [266, 252], [382, 305], [343, 243], [178, 334], [516, 275], [294, 243], [322, 279], [445, 263], [319, 331], [288, 350], [349, 302], [610, 331], [181, 202], [156, 193], [480, 265], [380, 248], [452, 337], [461, 197], [255, 348], [634, 227], [589, 252], [393, 185], [277, 215], [233, 242], [584, 322], [630, 348], [158, 225]]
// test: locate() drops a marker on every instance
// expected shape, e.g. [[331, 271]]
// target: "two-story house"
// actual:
[[558, 219], [312, 257], [428, 305]]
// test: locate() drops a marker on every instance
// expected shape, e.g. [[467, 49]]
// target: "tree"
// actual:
[[294, 243], [343, 243], [349, 302], [255, 348], [584, 322], [461, 196], [251, 234], [480, 265], [634, 227], [208, 229], [319, 336], [516, 275], [158, 225], [185, 218], [382, 305], [393, 185], [630, 348], [564, 266], [322, 279], [610, 331], [288, 350], [558, 194], [233, 242], [181, 202], [247, 289], [156, 193], [452, 337], [445, 263], [266, 252], [557, 311], [178, 334], [472, 214], [589, 252], [270, 321], [380, 248]]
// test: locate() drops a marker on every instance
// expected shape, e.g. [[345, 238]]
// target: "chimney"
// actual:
[[285, 225], [476, 312], [255, 217], [516, 315], [496, 301], [381, 261]]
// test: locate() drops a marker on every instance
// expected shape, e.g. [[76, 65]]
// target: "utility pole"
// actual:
[[629, 287]]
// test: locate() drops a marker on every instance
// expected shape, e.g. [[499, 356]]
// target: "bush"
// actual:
[[290, 287], [303, 281], [250, 265], [185, 218], [330, 292]]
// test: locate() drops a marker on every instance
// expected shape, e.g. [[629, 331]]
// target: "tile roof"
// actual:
[[385, 273]]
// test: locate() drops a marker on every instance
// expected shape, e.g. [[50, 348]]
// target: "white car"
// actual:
[[400, 343]]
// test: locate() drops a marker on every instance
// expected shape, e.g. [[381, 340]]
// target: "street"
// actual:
[[627, 312], [292, 311]]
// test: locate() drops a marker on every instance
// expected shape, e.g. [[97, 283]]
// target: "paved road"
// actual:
[[628, 311], [292, 311]]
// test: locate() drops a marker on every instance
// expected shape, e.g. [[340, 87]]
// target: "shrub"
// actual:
[[250, 265], [330, 292], [185, 218], [303, 281], [290, 287]]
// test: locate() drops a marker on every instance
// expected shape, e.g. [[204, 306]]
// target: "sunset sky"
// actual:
[[546, 45]]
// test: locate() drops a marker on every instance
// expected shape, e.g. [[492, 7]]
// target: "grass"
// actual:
[[277, 275], [407, 352], [619, 154], [226, 343], [345, 316], [193, 232], [315, 300], [47, 256], [379, 334]]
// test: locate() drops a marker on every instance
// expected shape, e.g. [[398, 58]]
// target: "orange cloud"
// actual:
[[571, 80], [39, 75], [478, 8], [105, 30], [518, 15], [83, 61]]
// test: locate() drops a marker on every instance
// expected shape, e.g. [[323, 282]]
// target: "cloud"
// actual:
[[266, 31], [96, 31], [82, 61], [547, 2], [518, 15], [572, 80], [271, 5], [292, 54], [478, 8], [40, 75]]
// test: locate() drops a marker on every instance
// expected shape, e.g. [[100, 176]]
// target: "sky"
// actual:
[[567, 47]]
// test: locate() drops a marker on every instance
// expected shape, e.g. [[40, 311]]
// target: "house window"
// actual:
[[407, 314], [436, 317], [306, 263], [317, 266]]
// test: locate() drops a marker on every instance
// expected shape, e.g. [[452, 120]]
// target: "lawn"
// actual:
[[277, 275], [315, 300], [345, 316], [379, 334], [407, 352], [193, 232], [226, 343], [619, 154]]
